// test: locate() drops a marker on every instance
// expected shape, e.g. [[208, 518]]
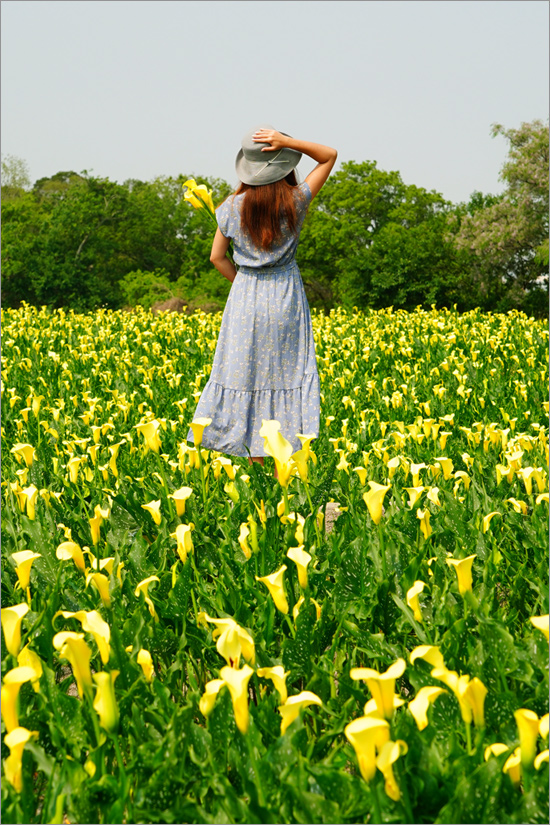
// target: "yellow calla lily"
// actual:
[[458, 685], [541, 758], [180, 497], [528, 728], [301, 560], [367, 735], [184, 541], [96, 521], [424, 516], [274, 584], [381, 685], [16, 741], [390, 753], [145, 661], [105, 703], [243, 540], [208, 698], [101, 584], [233, 640], [153, 507], [71, 646], [30, 493], [70, 550], [198, 426], [421, 702], [430, 654], [198, 195], [143, 588], [279, 449], [412, 598], [290, 710], [487, 520], [463, 568], [92, 622], [26, 451], [414, 494], [446, 466], [237, 682], [28, 658], [11, 686], [374, 500], [541, 623], [475, 694], [24, 560], [512, 767], [496, 749], [278, 676], [150, 432], [11, 625]]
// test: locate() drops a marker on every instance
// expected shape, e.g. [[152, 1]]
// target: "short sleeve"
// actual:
[[223, 216], [304, 188]]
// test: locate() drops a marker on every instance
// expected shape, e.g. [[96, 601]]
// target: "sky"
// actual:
[[143, 88]]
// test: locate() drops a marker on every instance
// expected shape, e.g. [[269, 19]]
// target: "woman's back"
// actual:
[[245, 251]]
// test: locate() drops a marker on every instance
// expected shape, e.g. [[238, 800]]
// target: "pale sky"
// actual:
[[142, 88]]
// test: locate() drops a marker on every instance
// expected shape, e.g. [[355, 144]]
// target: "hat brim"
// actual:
[[258, 174]]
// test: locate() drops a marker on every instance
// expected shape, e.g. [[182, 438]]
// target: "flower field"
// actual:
[[185, 640]]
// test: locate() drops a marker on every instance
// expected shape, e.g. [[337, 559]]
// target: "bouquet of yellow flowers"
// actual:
[[200, 197]]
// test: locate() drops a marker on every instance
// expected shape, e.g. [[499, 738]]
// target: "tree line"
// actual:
[[79, 241]]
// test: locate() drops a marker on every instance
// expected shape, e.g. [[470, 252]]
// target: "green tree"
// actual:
[[15, 176], [507, 238]]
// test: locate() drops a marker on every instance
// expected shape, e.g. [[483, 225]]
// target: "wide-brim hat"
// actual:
[[257, 168]]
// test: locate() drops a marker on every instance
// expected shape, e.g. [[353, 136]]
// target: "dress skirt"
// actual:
[[264, 365]]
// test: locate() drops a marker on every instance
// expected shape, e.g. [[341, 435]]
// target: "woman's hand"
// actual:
[[276, 139]]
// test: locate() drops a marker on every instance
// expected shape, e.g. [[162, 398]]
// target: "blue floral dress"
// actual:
[[264, 364]]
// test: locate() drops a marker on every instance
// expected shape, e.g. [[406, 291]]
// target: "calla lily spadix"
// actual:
[[11, 625], [274, 584], [290, 710], [367, 735], [381, 685], [374, 500]]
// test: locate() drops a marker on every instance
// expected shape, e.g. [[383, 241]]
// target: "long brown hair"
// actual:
[[267, 209]]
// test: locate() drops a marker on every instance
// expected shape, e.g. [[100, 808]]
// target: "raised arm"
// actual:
[[324, 155]]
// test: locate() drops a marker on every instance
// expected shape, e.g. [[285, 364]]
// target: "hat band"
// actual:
[[269, 162]]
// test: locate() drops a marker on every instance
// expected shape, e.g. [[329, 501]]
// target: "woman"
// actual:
[[264, 365]]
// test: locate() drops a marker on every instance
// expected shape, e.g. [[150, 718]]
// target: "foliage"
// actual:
[[434, 443]]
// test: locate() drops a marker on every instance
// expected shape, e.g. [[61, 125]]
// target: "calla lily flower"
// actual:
[[26, 451], [150, 432], [28, 658], [208, 698], [362, 473], [541, 758], [184, 540], [71, 646], [412, 598], [371, 708], [69, 550], [458, 685], [237, 682], [153, 507], [463, 569], [11, 625], [180, 497], [433, 496], [487, 520], [430, 654], [145, 661], [96, 521], [424, 516], [279, 449], [143, 587], [367, 735], [296, 518], [198, 195], [16, 741], [496, 749], [101, 584], [30, 493], [105, 703], [414, 494], [475, 694], [298, 605], [519, 506], [92, 622], [381, 685], [278, 676], [390, 753], [233, 640], [512, 767], [541, 623], [374, 500], [301, 560], [274, 584], [446, 466], [293, 705], [543, 726], [243, 540], [198, 427], [232, 491], [528, 728], [10, 691], [421, 702], [24, 560]]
